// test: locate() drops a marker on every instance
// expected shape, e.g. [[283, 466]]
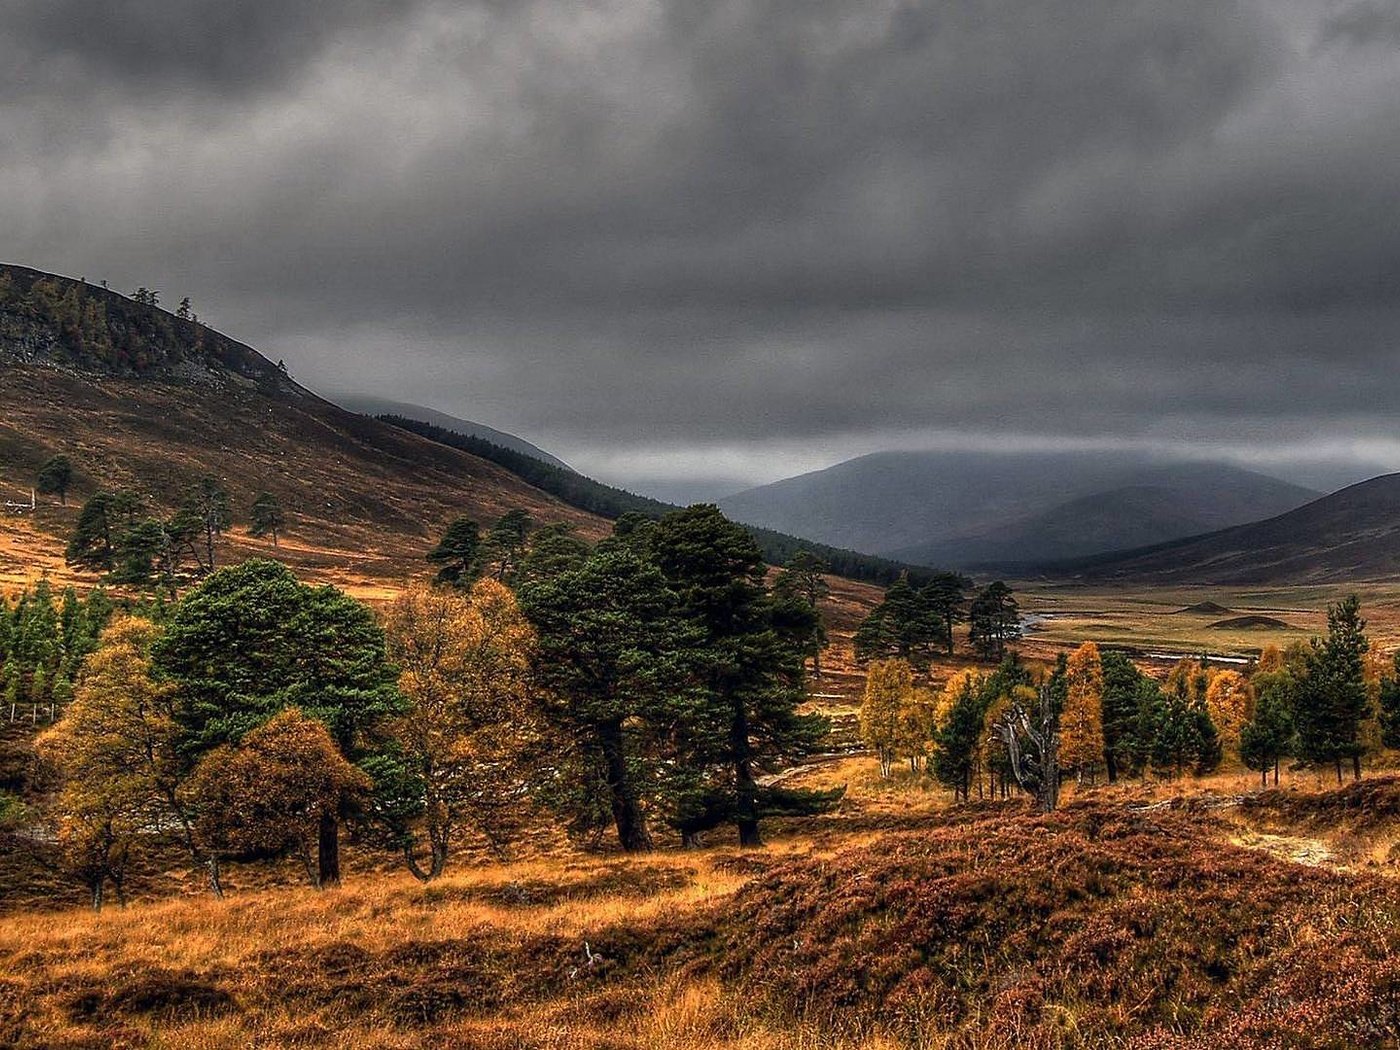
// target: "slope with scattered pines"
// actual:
[[140, 398]]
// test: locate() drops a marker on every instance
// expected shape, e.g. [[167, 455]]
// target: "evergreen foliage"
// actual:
[[44, 641], [1332, 701], [266, 517], [457, 552], [54, 478], [1269, 736], [912, 622], [752, 674], [615, 682], [994, 619], [252, 641]]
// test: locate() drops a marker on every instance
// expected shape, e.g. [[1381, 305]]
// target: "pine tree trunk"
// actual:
[[97, 894], [1275, 772], [328, 852], [745, 788], [627, 814], [215, 884], [1355, 767], [1339, 769]]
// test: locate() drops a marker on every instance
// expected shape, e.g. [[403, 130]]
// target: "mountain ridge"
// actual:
[[371, 405], [1349, 535], [969, 509]]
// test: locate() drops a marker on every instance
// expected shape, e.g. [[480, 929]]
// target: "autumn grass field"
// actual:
[[896, 921], [1162, 620]]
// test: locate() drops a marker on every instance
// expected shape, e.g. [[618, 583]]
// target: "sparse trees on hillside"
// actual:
[[464, 741], [91, 545], [54, 478], [798, 592], [903, 625], [266, 517], [505, 545], [945, 600], [207, 507]]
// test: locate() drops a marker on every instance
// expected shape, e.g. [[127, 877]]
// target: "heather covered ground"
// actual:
[[1128, 918]]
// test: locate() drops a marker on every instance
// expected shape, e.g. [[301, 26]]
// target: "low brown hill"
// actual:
[[1351, 535], [139, 398], [1252, 622], [1206, 608]]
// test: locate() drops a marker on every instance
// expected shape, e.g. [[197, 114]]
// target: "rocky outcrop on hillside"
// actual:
[[58, 322]]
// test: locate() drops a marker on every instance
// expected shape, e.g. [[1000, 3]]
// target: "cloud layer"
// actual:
[[744, 237]]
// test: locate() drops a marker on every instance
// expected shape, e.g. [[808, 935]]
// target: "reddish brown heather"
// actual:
[[978, 927]]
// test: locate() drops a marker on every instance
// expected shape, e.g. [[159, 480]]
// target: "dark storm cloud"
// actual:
[[748, 234], [147, 47], [1368, 22]]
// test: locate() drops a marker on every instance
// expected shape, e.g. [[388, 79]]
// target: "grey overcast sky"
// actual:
[[730, 240]]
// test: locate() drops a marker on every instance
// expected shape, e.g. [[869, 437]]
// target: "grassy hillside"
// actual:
[[1351, 535], [141, 399], [381, 406]]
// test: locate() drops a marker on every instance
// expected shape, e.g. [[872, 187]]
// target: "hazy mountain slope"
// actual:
[[963, 508], [1350, 535], [382, 406], [141, 399], [1169, 504]]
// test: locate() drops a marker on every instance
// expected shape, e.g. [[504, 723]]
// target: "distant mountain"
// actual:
[[1348, 536], [382, 406], [964, 509]]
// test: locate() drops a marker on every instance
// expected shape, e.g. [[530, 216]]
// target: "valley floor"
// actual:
[[1137, 916]]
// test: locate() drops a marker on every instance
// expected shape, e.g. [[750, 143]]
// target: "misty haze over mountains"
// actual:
[[969, 508]]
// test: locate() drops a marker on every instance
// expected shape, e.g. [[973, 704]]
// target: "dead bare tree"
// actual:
[[1032, 738]]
